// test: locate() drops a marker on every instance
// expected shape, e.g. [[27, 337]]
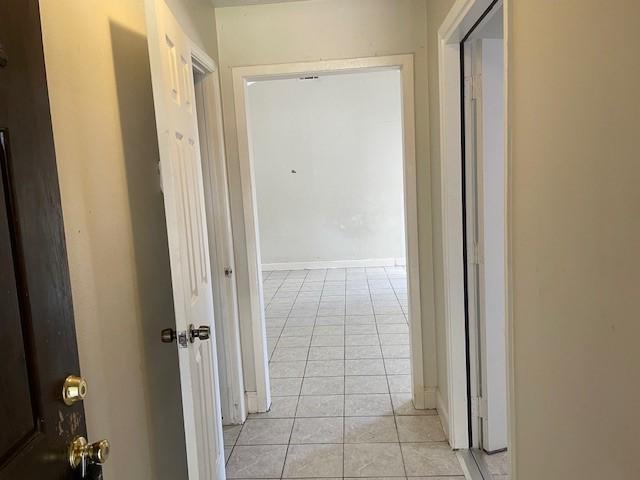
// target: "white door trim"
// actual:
[[241, 75], [216, 191], [462, 16]]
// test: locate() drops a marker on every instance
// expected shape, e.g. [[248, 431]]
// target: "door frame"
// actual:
[[422, 398], [461, 18], [218, 215]]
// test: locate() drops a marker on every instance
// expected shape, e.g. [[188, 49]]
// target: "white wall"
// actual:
[[342, 135], [330, 29], [574, 113], [106, 146]]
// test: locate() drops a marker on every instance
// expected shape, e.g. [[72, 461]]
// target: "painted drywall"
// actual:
[[327, 158], [106, 146], [436, 12], [330, 29], [493, 244], [574, 113]]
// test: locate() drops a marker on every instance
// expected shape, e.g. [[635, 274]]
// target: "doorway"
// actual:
[[484, 226], [244, 77], [209, 119], [327, 157], [475, 185]]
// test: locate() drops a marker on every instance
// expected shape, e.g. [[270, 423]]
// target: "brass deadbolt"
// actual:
[[74, 389], [82, 452]]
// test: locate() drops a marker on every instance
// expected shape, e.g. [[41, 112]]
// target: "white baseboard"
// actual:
[[430, 398], [252, 401], [443, 411], [367, 262]]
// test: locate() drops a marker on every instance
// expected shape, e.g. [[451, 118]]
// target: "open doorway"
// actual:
[[306, 253], [327, 157]]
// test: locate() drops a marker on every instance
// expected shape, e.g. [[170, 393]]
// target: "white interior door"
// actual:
[[174, 99], [485, 177], [493, 338]]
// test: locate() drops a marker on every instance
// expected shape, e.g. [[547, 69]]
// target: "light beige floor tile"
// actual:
[[327, 341], [403, 405], [394, 339], [317, 430], [399, 383], [289, 354], [387, 319], [328, 330], [231, 433], [369, 366], [362, 351], [368, 329], [393, 328], [397, 366], [369, 459], [276, 322], [266, 431], [281, 407], [273, 332], [360, 320], [324, 368], [323, 386], [313, 461], [423, 459], [227, 453], [396, 351], [366, 384], [301, 321], [285, 387], [287, 369], [287, 342], [367, 405], [390, 478], [263, 461], [498, 463], [297, 331], [448, 477], [370, 430], [426, 428], [337, 320], [331, 310], [321, 406], [362, 340], [326, 353], [359, 309]]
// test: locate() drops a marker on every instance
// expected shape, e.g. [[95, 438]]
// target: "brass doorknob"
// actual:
[[81, 452], [74, 389]]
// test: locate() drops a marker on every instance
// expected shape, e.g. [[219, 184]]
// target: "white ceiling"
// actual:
[[236, 3]]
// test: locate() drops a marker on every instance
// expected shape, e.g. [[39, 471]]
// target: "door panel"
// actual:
[[37, 334], [485, 223], [174, 99]]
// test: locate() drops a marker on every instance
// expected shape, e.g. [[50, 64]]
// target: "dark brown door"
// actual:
[[37, 335]]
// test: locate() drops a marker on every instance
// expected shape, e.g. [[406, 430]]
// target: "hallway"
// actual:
[[340, 381]]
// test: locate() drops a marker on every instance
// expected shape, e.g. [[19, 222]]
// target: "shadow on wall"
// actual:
[[154, 294]]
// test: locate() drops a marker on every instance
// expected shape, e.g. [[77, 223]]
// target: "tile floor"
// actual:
[[340, 381], [498, 464]]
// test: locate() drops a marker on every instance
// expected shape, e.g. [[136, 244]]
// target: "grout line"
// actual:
[[344, 346]]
